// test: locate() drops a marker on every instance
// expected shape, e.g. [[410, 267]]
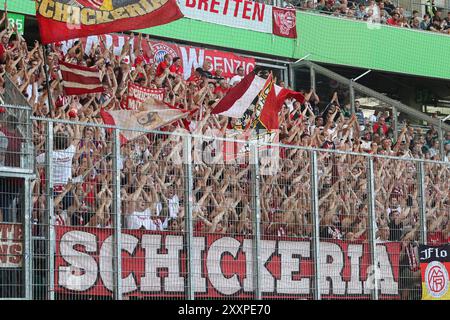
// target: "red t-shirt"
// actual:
[[435, 238], [391, 22], [176, 69], [220, 89], [384, 128], [163, 65]]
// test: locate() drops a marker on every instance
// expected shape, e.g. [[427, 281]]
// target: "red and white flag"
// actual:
[[137, 95], [80, 80], [245, 95], [284, 22], [153, 115]]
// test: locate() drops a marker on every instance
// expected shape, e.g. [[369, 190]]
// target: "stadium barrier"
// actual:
[[181, 216]]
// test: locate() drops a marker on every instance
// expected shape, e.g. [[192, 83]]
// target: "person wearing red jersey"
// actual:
[[177, 68], [163, 65]]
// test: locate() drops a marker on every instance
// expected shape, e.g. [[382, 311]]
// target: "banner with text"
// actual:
[[137, 95], [192, 57], [11, 245], [435, 270], [154, 264]]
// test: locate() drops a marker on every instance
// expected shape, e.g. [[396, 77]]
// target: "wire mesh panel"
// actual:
[[437, 203], [397, 211], [12, 231]]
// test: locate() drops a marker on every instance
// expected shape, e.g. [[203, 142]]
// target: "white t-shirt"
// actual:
[[139, 219], [235, 79], [62, 164], [174, 206]]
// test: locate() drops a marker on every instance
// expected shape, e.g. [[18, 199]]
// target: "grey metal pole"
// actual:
[[291, 77], [312, 74], [372, 225], [422, 202], [254, 163], [28, 242], [50, 216], [395, 122], [352, 96], [315, 221], [441, 141], [188, 223], [117, 212]]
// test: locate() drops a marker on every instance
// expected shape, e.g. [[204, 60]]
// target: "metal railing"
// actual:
[[175, 215]]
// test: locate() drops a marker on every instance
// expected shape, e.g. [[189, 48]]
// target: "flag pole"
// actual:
[[47, 80]]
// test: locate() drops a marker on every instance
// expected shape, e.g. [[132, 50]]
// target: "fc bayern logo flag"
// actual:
[[69, 19], [435, 269], [284, 22]]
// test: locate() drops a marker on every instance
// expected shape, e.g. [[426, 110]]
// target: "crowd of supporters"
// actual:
[[379, 11], [151, 167]]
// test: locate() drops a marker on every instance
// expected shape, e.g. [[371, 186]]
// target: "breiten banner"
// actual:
[[435, 269], [67, 19]]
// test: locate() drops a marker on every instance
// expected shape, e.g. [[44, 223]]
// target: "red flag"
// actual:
[[68, 19], [80, 80], [284, 22]]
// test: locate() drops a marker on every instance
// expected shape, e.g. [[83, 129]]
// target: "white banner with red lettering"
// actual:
[[245, 14], [137, 95], [192, 57]]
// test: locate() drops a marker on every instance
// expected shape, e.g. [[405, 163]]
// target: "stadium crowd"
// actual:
[[383, 12], [151, 170]]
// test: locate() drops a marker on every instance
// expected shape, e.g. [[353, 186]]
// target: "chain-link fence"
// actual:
[[179, 216]]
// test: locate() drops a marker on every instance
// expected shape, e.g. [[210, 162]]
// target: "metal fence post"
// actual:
[[188, 224], [395, 123], [117, 218], [352, 96], [28, 242], [255, 174], [315, 221], [372, 225], [441, 139], [422, 203], [291, 77], [312, 75], [50, 218]]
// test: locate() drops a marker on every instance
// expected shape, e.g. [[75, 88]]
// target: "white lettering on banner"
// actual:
[[267, 249], [355, 252], [191, 60], [245, 14], [196, 255], [155, 265], [170, 260], [213, 263], [291, 254], [81, 273], [330, 271], [383, 275]]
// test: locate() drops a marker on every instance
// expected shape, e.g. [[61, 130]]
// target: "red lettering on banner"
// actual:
[[190, 4], [3, 253], [258, 12], [236, 10], [212, 8], [205, 3], [15, 252], [225, 7], [247, 8]]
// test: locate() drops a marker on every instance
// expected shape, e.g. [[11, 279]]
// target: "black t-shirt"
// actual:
[[395, 231]]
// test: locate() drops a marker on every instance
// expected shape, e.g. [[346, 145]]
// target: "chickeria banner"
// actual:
[[435, 270], [137, 95], [192, 57], [10, 245], [245, 14], [67, 19], [154, 264]]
